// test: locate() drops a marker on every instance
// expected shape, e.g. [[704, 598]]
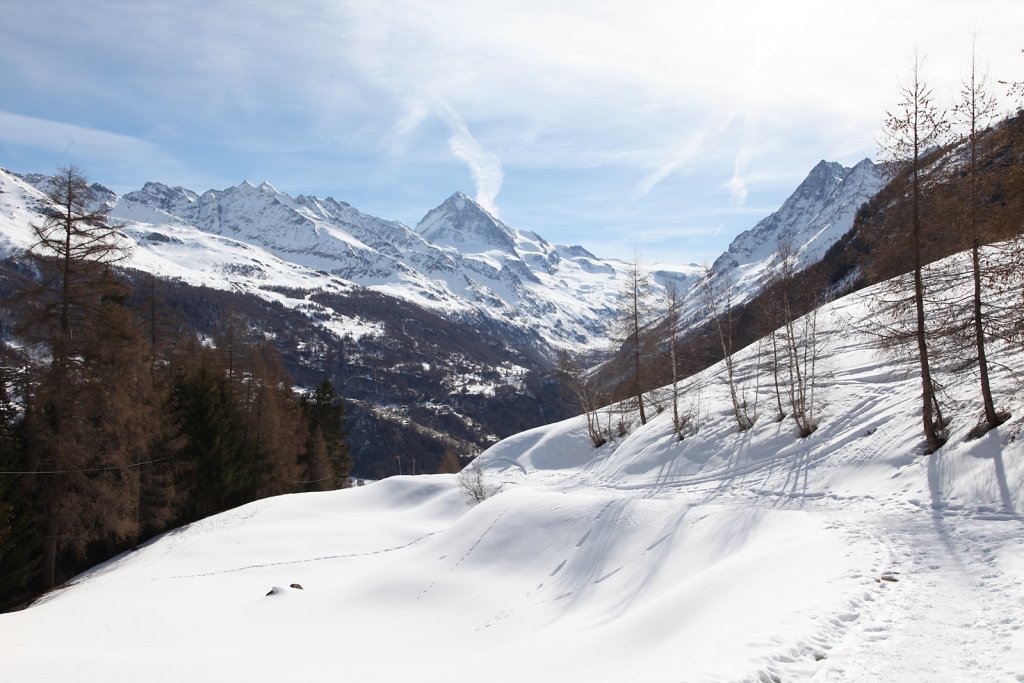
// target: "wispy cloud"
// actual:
[[738, 191], [570, 110], [119, 161], [654, 178], [683, 153], [416, 112], [484, 165], [67, 140]]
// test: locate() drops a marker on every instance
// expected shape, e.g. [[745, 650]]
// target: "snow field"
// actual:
[[757, 556]]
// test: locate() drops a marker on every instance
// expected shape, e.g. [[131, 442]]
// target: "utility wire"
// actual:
[[92, 469]]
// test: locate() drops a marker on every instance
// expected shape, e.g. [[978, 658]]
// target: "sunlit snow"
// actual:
[[846, 556]]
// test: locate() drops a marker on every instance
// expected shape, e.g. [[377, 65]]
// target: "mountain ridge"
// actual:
[[461, 261], [818, 213], [530, 299]]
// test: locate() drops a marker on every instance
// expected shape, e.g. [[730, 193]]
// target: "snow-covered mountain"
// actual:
[[163, 244], [495, 302], [811, 220], [460, 261], [462, 224], [319, 234], [846, 556]]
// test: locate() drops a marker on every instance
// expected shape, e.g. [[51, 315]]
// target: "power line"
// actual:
[[91, 469], [311, 481]]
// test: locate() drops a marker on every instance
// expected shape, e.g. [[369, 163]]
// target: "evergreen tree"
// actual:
[[327, 457], [20, 548], [214, 469]]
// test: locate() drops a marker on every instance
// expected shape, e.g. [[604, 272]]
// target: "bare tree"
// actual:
[[800, 339], [774, 320], [632, 319], [1015, 88], [717, 300], [776, 365], [471, 481], [89, 405], [672, 323], [76, 240], [915, 126], [583, 387], [71, 313], [975, 109]]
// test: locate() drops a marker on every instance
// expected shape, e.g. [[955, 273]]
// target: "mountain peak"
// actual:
[[162, 196], [819, 212], [460, 202], [462, 223], [823, 173]]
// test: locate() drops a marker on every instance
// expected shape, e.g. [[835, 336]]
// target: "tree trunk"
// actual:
[[929, 401], [991, 417], [638, 388], [50, 544], [775, 376]]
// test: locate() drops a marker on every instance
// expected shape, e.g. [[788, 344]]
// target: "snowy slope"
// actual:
[[846, 556], [20, 206], [819, 212]]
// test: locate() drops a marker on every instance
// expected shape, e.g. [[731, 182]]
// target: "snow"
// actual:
[[846, 556], [17, 200], [818, 213], [350, 326], [460, 262]]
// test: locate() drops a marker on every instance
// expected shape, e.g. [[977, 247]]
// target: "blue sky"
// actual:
[[640, 126]]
